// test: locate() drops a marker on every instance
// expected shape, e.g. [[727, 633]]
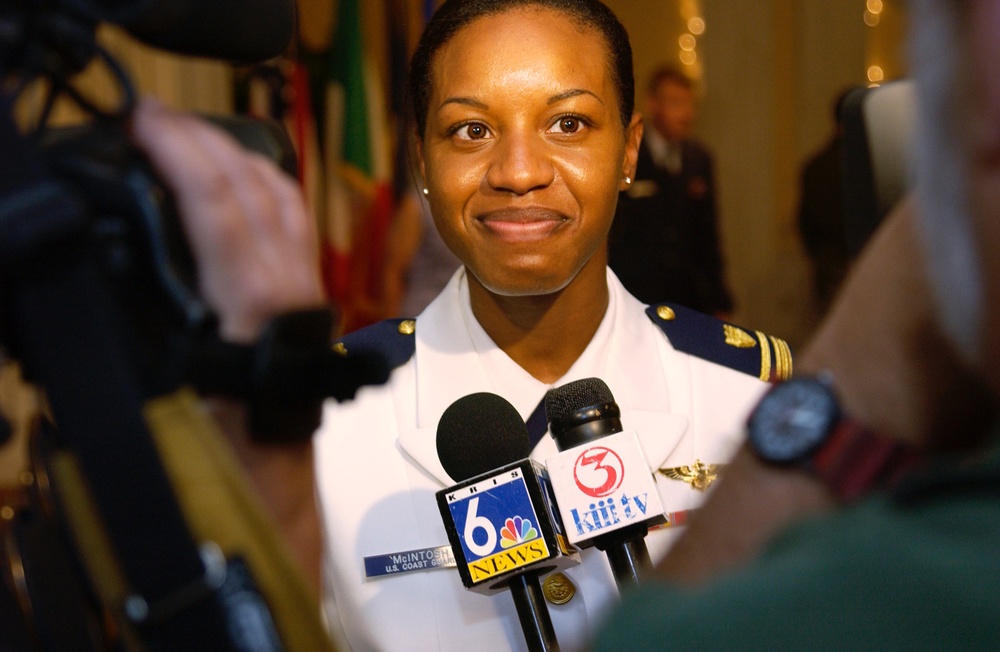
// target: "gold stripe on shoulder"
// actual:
[[783, 359], [765, 357]]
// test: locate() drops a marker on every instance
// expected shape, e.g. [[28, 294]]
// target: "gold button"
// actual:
[[665, 313], [407, 327], [558, 589], [339, 348]]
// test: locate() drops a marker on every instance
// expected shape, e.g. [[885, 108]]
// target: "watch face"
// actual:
[[792, 420]]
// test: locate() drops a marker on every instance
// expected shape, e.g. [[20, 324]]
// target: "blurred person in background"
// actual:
[[664, 243], [821, 219]]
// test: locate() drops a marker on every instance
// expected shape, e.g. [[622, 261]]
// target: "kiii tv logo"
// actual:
[[599, 473]]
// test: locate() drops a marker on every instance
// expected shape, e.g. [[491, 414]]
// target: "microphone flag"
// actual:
[[500, 523], [603, 486]]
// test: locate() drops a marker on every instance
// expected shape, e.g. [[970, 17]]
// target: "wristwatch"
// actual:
[[799, 422]]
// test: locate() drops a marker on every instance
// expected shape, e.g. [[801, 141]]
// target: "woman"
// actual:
[[526, 135]]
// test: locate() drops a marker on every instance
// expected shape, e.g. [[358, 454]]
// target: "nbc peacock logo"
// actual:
[[516, 531]]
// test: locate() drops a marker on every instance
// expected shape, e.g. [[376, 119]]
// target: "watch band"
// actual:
[[854, 460]]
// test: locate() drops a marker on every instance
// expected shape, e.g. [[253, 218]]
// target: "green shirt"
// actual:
[[915, 570]]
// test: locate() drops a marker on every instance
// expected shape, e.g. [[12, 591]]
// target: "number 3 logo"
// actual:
[[598, 471]]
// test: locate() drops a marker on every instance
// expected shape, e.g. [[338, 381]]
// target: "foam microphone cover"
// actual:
[[479, 433], [237, 30], [581, 411]]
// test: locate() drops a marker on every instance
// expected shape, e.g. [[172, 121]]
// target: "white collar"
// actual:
[[455, 357]]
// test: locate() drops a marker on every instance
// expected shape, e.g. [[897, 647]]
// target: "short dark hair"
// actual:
[[453, 15], [668, 74]]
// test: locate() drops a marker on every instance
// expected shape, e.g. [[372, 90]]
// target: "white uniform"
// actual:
[[378, 470]]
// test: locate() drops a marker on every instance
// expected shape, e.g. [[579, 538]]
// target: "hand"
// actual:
[[892, 370], [256, 251], [254, 243]]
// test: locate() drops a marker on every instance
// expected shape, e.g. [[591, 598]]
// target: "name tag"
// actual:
[[410, 561]]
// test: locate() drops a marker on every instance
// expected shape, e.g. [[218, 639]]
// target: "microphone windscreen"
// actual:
[[562, 402], [479, 433], [236, 30]]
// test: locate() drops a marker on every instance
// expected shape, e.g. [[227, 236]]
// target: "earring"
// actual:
[[628, 181], [426, 191]]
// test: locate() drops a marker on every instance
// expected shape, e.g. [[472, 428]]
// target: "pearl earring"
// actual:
[[628, 181], [426, 191]]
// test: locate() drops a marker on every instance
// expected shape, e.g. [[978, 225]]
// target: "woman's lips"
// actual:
[[522, 224]]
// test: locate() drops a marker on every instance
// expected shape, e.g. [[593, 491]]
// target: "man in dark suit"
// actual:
[[821, 219], [664, 243]]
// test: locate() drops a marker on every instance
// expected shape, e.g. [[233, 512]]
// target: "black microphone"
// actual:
[[601, 478], [502, 531], [237, 30]]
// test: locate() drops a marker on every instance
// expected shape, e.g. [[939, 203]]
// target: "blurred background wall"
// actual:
[[767, 72]]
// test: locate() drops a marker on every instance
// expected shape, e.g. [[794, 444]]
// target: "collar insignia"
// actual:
[[699, 475]]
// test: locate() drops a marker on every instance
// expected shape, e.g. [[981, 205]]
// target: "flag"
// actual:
[[359, 201], [301, 123]]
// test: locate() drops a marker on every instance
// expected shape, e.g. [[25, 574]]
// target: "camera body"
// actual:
[[130, 231], [82, 202], [137, 239]]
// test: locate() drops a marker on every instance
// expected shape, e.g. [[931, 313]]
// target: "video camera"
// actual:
[[97, 306]]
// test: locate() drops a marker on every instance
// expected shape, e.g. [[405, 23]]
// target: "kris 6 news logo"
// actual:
[[497, 525]]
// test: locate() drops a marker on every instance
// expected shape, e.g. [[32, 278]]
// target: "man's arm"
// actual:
[[893, 372], [257, 256]]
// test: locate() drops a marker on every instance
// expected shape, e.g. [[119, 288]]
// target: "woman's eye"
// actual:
[[472, 131], [567, 125]]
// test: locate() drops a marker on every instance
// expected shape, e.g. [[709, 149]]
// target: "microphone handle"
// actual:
[[627, 554], [533, 614], [629, 562]]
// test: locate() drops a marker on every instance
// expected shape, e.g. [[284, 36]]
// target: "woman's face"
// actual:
[[524, 152]]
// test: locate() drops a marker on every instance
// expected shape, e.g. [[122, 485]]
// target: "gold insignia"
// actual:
[[407, 327], [665, 313], [699, 475], [738, 337], [558, 589], [339, 348]]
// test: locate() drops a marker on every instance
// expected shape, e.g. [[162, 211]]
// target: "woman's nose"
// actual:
[[521, 165]]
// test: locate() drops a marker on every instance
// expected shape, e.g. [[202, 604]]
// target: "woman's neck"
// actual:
[[544, 334]]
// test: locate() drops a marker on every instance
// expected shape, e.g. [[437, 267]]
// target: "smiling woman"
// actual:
[[524, 166], [526, 134]]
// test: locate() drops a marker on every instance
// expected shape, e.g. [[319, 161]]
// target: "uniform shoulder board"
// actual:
[[766, 357], [391, 339]]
